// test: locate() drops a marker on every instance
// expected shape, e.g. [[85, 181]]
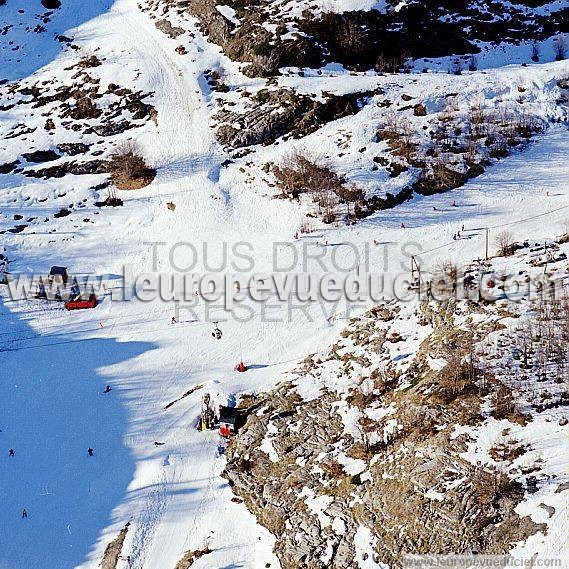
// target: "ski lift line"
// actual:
[[528, 218], [497, 227], [67, 341], [272, 294]]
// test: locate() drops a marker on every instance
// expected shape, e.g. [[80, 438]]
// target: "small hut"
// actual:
[[58, 275], [227, 421]]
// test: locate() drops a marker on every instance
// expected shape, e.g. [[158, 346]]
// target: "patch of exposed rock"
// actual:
[[267, 38], [41, 156], [113, 550], [273, 114], [166, 27], [398, 471], [190, 557], [76, 168]]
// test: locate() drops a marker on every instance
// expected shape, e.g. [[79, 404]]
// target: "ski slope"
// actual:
[[55, 365]]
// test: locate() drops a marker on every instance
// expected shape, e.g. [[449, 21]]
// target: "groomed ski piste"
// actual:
[[56, 364]]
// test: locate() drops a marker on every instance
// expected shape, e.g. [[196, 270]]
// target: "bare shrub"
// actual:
[[478, 118], [298, 175], [507, 449], [352, 37], [349, 195], [127, 160], [443, 279], [504, 243], [492, 487], [128, 166], [455, 379], [333, 469], [399, 134], [504, 406]]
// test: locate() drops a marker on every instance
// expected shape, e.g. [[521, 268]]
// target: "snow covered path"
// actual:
[[51, 403]]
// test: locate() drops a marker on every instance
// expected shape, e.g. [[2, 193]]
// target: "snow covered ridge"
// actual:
[[433, 427]]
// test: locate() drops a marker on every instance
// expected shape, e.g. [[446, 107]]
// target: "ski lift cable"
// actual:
[[439, 247], [68, 340], [515, 222]]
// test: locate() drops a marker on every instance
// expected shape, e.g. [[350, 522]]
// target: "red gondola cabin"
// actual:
[[79, 303]]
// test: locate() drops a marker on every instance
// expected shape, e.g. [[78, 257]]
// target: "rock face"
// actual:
[[41, 156], [273, 114], [267, 38], [251, 42], [113, 550], [397, 471]]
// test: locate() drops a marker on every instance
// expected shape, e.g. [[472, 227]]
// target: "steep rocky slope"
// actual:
[[420, 429], [269, 35]]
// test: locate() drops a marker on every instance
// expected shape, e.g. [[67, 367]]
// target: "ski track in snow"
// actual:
[[173, 494]]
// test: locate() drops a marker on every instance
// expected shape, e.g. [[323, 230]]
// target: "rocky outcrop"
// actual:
[[73, 148], [77, 168], [41, 156], [251, 42], [166, 27], [267, 39], [313, 483], [273, 114], [190, 557], [113, 550]]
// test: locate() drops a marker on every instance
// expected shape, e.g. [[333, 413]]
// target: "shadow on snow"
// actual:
[[34, 32], [52, 409]]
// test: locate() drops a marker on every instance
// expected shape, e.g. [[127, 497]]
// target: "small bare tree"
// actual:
[[504, 243], [352, 37]]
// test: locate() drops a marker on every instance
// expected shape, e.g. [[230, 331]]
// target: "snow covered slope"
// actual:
[[56, 364]]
